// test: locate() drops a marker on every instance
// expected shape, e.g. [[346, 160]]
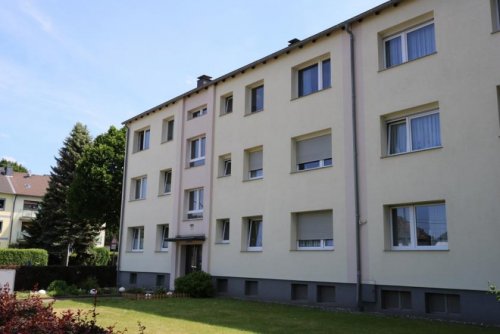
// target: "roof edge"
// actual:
[[298, 45]]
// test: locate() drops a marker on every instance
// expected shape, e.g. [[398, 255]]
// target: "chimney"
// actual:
[[293, 41], [9, 171], [203, 80]]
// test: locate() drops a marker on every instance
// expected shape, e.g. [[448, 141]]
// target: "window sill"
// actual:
[[137, 200], [135, 152], [166, 141], [192, 220], [253, 112], [495, 31], [135, 251], [222, 243], [312, 250], [165, 194], [252, 251], [189, 166], [223, 176], [417, 250], [254, 179], [411, 152], [313, 93], [225, 113], [310, 169], [407, 62], [162, 251]]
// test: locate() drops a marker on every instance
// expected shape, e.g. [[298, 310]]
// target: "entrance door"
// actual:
[[193, 258]]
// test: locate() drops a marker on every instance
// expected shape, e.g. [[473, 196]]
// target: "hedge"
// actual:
[[21, 257], [27, 277]]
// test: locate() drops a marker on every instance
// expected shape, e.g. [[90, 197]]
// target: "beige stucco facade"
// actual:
[[455, 81]]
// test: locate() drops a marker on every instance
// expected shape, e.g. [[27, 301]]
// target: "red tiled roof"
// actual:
[[24, 184]]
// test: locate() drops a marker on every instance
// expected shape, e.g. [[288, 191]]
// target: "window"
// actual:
[[160, 280], [137, 239], [495, 14], [314, 230], [132, 278], [166, 181], [31, 205], [420, 226], [167, 131], [139, 188], [222, 285], [255, 165], [198, 113], [314, 77], [314, 152], [325, 293], [257, 102], [225, 165], [197, 154], [222, 231], [142, 140], [251, 288], [299, 292], [396, 300], [409, 45], [414, 133], [163, 236], [442, 303], [254, 234], [195, 204], [1, 226], [227, 104], [2, 204]]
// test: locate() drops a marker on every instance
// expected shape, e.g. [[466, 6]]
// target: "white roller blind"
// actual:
[[255, 160], [314, 149], [315, 225]]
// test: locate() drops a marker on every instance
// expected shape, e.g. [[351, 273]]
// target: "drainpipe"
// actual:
[[124, 196], [359, 290], [12, 220]]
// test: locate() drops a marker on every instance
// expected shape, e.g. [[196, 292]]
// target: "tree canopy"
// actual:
[[16, 167]]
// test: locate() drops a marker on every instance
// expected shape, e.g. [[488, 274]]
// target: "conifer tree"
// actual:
[[53, 229]]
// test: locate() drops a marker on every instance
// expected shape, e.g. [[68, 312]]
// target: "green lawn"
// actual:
[[235, 316]]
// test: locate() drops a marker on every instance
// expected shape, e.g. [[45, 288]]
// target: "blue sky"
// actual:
[[102, 62]]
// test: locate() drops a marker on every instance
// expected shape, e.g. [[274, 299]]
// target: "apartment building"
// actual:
[[356, 168], [20, 197]]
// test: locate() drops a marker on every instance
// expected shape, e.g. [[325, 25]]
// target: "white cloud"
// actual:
[[11, 159]]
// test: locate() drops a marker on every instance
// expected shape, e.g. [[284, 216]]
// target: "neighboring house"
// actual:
[[260, 177], [20, 198]]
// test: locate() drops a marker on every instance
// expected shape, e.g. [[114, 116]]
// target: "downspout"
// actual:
[[359, 287], [124, 196], [12, 220]]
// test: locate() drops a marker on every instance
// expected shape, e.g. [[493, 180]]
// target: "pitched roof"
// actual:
[[24, 184]]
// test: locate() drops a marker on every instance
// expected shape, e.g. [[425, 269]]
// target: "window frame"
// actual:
[[164, 182], [255, 174], [139, 193], [164, 228], [223, 225], [498, 14], [137, 233], [3, 201], [319, 64], [1, 226], [254, 107], [413, 227], [227, 165], [228, 104], [197, 113], [198, 160], [407, 120], [250, 223], [198, 206], [404, 43], [143, 139], [168, 129]]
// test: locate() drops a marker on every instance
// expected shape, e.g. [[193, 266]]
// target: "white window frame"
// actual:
[[226, 104], [321, 164], [223, 225], [164, 178], [143, 139], [143, 188], [249, 231], [404, 42], [413, 228], [200, 141], [407, 120], [227, 167], [137, 234], [253, 91], [164, 228], [198, 113], [197, 211], [255, 174], [320, 70], [168, 135], [322, 246]]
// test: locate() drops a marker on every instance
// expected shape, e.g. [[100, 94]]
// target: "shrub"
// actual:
[[61, 288], [32, 315], [101, 256], [197, 284], [89, 283], [31, 257]]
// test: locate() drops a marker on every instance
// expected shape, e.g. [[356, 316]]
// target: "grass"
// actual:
[[235, 316]]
